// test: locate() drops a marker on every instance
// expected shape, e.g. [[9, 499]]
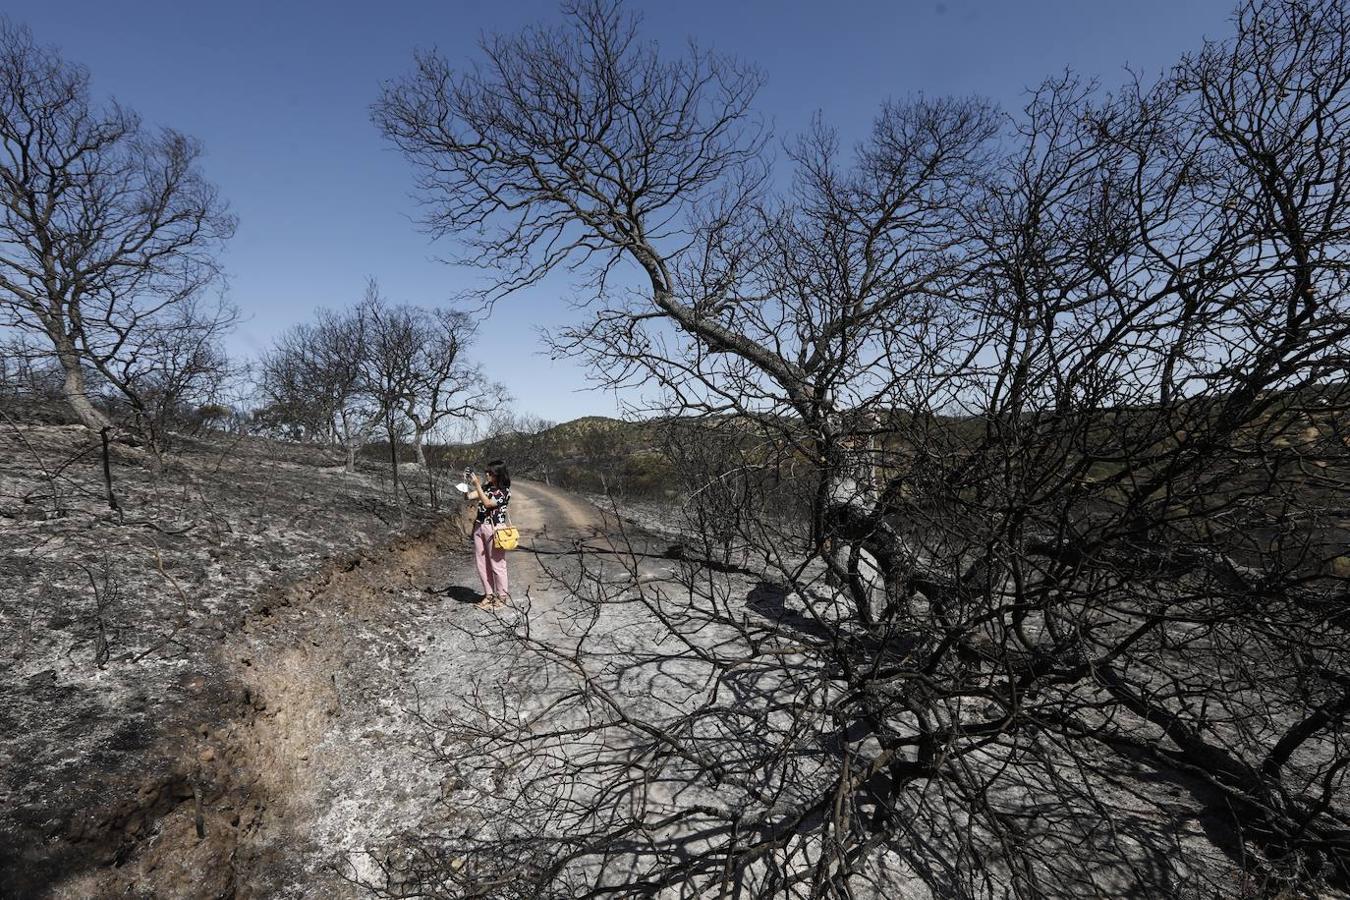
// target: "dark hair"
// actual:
[[499, 472]]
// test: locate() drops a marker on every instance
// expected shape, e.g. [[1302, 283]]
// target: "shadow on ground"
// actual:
[[457, 592]]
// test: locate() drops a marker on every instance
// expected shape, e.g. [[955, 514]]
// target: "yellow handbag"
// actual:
[[506, 537]]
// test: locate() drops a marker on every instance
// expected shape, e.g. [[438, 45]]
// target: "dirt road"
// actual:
[[552, 513], [298, 788]]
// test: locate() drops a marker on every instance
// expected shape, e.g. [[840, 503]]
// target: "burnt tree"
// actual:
[[1036, 429], [108, 229]]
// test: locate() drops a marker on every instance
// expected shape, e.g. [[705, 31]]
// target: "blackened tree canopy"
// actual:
[[1036, 429]]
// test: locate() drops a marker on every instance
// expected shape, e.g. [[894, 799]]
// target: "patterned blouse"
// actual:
[[497, 515]]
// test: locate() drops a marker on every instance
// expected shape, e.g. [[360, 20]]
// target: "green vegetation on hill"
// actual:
[[593, 453]]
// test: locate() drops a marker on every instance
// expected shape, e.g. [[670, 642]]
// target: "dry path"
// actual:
[[358, 782], [552, 513]]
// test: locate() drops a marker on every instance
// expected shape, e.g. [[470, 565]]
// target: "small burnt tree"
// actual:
[[446, 384], [314, 381], [391, 339], [167, 368]]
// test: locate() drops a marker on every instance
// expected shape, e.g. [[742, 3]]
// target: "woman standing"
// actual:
[[491, 562]]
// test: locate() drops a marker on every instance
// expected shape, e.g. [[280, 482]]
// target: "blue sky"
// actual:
[[280, 92]]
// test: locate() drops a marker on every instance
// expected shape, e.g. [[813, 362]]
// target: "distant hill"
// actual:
[[631, 458]]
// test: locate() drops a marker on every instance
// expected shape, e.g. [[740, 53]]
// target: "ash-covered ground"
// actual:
[[221, 687], [120, 628], [241, 683]]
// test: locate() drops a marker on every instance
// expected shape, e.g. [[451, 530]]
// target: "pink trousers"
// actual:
[[490, 561]]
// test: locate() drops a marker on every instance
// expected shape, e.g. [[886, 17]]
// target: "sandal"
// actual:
[[500, 600], [489, 601]]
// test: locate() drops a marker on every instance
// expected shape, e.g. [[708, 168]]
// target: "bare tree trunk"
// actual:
[[351, 459], [75, 391], [107, 474], [417, 446], [393, 459]]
